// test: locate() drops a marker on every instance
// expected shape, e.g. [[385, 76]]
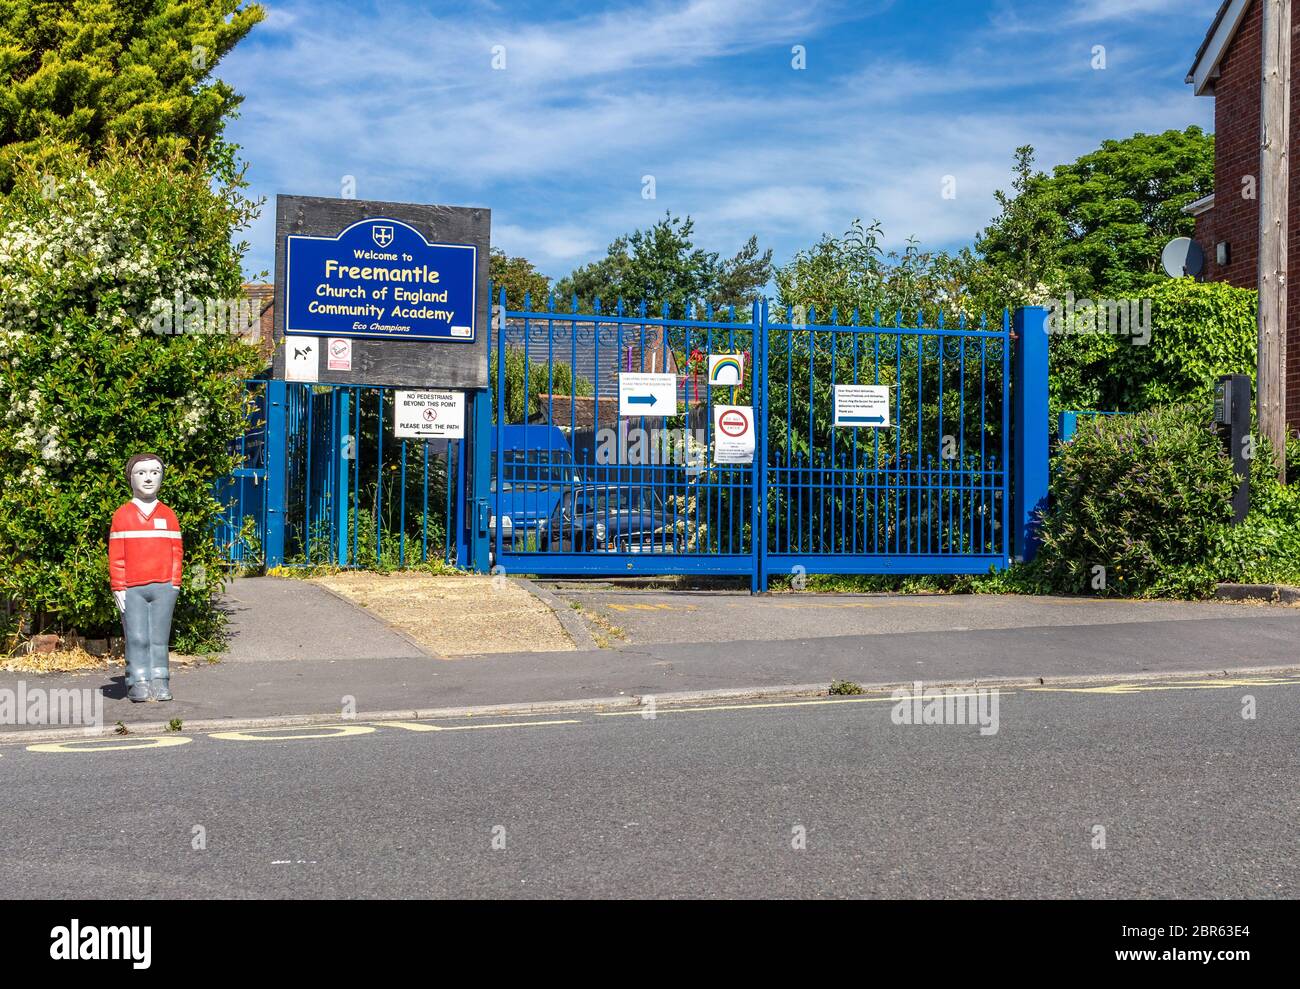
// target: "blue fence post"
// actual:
[[345, 452], [1067, 425], [462, 523], [758, 386], [480, 447], [1030, 428], [276, 471]]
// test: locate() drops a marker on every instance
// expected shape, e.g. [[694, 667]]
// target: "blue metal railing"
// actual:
[[350, 495], [548, 480]]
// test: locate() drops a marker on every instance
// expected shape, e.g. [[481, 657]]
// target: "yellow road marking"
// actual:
[[109, 744], [418, 726], [652, 607], [640, 712], [1138, 688], [311, 731]]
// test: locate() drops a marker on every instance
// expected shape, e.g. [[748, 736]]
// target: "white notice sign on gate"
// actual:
[[429, 415], [733, 434], [643, 394], [862, 405]]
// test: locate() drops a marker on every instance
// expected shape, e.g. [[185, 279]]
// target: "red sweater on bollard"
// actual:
[[144, 550]]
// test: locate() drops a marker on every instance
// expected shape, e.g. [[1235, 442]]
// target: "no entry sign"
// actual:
[[733, 434]]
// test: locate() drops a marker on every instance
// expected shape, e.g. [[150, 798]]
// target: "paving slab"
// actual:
[[275, 620]]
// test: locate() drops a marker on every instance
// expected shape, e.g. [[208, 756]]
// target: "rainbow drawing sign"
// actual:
[[726, 370], [380, 278]]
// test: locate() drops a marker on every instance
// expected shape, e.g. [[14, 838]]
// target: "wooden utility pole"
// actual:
[[1274, 200]]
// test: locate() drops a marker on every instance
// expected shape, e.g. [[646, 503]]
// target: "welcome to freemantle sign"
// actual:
[[381, 278], [406, 283]]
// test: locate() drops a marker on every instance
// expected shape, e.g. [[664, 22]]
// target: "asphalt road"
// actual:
[[1196, 801]]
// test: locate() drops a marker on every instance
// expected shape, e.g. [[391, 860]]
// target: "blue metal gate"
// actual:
[[576, 488], [929, 494], [554, 480]]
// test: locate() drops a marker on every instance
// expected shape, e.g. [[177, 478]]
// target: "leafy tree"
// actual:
[[82, 72], [534, 378], [1097, 226], [662, 265], [854, 273], [519, 279]]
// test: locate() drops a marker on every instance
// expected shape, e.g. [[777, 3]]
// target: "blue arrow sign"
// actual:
[[879, 420], [640, 400]]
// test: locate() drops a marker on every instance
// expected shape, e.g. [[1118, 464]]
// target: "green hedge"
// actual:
[[1198, 332]]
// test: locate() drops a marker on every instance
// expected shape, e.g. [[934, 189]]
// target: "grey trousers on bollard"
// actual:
[[147, 624]]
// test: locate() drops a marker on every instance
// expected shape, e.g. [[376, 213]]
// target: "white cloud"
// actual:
[[1109, 10], [562, 245]]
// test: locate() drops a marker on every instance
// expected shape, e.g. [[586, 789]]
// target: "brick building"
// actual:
[[1228, 68]]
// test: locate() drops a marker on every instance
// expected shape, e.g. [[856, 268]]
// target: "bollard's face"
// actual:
[[146, 479]]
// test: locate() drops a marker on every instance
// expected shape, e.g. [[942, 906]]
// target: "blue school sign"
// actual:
[[380, 278]]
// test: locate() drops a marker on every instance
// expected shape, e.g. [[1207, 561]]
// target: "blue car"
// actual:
[[535, 472]]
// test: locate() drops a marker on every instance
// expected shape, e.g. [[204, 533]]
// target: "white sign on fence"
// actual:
[[862, 405], [430, 415], [339, 353], [301, 359], [642, 394], [726, 370], [733, 434]]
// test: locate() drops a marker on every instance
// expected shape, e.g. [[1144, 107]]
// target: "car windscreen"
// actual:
[[610, 501], [533, 470]]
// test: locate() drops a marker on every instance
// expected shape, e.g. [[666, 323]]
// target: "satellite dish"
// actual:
[[1182, 256]]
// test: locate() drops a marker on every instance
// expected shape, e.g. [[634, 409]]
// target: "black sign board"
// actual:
[[381, 293]]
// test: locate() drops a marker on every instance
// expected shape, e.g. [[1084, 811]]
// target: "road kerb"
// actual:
[[620, 702]]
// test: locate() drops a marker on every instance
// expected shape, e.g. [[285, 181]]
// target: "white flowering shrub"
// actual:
[[89, 258]]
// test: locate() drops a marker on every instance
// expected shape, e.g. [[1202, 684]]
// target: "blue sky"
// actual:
[[896, 95]]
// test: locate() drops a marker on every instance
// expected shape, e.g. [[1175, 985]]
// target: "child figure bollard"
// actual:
[[144, 569]]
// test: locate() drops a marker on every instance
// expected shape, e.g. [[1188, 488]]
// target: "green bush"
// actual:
[[1265, 549], [1135, 499], [1148, 498], [91, 257]]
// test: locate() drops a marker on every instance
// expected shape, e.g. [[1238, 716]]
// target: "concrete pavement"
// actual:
[[1088, 638], [647, 616], [273, 620]]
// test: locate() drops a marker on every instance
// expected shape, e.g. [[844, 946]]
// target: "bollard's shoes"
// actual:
[[139, 693], [161, 690]]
